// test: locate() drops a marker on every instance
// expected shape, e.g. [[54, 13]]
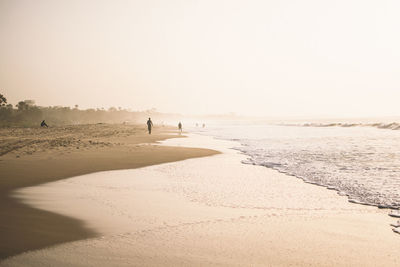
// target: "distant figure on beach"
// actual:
[[149, 125], [44, 124], [204, 125], [197, 125], [180, 126]]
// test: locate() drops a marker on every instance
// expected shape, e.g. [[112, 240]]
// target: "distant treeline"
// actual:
[[27, 114]]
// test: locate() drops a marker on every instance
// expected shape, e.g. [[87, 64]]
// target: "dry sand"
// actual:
[[31, 156], [210, 211]]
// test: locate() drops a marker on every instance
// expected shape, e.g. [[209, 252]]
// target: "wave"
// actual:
[[388, 126]]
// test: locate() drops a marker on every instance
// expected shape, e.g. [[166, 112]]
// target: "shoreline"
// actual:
[[51, 155], [211, 211]]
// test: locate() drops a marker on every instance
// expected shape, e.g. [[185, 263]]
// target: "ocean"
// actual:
[[359, 161]]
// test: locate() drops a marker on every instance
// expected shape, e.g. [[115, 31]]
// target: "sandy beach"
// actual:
[[32, 156], [209, 211], [199, 133]]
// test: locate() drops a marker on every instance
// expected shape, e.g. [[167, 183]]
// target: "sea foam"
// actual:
[[362, 163]]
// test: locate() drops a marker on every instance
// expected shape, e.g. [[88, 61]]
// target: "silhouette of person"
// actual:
[[44, 124], [204, 125], [180, 126], [149, 125]]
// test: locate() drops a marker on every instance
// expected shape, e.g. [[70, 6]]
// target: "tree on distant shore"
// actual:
[[22, 106], [25, 105], [5, 110], [3, 100]]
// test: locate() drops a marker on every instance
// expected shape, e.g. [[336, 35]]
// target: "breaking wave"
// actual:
[[389, 126]]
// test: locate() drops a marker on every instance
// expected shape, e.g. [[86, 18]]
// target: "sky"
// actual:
[[260, 58]]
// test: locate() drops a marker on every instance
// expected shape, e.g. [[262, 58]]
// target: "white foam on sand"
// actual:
[[209, 211]]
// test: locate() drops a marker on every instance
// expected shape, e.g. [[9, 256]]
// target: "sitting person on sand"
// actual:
[[44, 124], [149, 125]]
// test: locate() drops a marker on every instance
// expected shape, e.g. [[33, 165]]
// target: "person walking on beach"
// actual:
[[180, 127], [149, 125]]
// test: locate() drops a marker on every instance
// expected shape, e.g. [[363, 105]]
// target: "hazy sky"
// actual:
[[274, 58]]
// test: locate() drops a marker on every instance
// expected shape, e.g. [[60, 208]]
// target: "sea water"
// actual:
[[360, 162]]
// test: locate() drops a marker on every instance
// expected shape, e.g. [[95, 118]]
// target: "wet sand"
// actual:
[[32, 156], [210, 211]]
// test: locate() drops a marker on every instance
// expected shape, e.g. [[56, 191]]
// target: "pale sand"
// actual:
[[31, 156], [210, 211]]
